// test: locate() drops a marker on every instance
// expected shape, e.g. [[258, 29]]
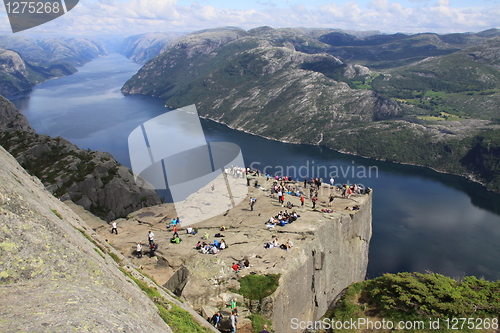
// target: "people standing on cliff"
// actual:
[[151, 237], [212, 187], [302, 200], [332, 181], [314, 199], [113, 227], [252, 203], [330, 200], [152, 248], [233, 321], [139, 250]]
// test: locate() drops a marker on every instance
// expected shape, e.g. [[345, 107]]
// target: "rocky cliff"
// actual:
[[26, 62], [11, 118], [252, 80], [142, 48], [330, 252], [94, 180], [52, 279]]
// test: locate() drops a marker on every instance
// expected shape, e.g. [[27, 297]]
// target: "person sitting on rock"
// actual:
[[198, 245], [175, 239], [216, 319], [236, 267], [222, 245], [205, 249]]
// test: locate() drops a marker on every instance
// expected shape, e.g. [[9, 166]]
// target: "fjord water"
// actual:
[[422, 220]]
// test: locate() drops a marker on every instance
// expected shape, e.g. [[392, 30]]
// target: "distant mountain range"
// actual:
[[424, 99], [27, 61]]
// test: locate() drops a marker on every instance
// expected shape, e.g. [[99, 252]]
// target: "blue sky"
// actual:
[[129, 17]]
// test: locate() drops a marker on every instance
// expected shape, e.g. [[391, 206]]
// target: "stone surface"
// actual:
[[330, 252], [52, 279]]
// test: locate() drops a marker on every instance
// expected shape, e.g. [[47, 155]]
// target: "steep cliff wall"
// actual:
[[335, 257], [330, 252], [52, 279]]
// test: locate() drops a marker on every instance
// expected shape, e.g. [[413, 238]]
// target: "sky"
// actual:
[[131, 17]]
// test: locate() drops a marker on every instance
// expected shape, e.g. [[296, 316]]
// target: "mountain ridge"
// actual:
[[295, 88]]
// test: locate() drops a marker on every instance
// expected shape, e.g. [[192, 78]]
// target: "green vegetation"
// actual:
[[179, 320], [417, 297], [56, 213], [99, 252], [115, 257], [258, 322], [257, 287]]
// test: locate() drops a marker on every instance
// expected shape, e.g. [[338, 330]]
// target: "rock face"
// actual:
[[94, 180], [142, 48], [26, 61], [330, 251], [52, 279], [329, 254], [336, 257], [249, 80], [11, 118]]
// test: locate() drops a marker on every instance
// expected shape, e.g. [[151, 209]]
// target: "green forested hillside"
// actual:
[[419, 300]]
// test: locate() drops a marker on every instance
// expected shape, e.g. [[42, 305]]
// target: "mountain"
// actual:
[[424, 99], [142, 48], [251, 80], [46, 50], [27, 61], [94, 180]]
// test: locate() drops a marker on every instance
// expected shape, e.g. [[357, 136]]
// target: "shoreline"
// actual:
[[469, 177]]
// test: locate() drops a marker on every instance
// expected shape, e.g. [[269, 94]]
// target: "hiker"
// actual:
[[233, 321], [314, 199], [152, 248], [222, 245], [302, 200], [236, 267], [216, 319], [113, 225], [264, 329], [139, 250], [252, 203], [151, 237], [330, 200]]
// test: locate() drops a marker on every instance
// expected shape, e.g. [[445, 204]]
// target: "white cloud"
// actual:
[[139, 16]]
